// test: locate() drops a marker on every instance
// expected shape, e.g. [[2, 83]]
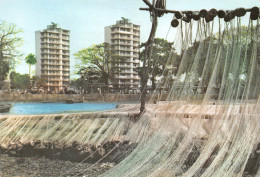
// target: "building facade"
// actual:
[[53, 57], [124, 37]]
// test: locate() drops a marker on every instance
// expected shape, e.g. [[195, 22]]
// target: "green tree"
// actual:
[[30, 60], [88, 76], [19, 81], [9, 42], [100, 57], [39, 81], [160, 55]]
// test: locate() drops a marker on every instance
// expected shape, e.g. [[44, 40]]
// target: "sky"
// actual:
[[86, 19]]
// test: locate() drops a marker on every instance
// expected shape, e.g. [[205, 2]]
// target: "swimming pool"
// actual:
[[54, 108]]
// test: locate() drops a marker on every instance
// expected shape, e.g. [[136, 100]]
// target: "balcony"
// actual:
[[121, 32], [65, 79], [123, 49], [136, 27], [54, 53], [51, 74], [124, 77], [50, 42], [54, 37], [65, 32], [51, 47], [54, 79], [52, 32], [125, 83], [136, 39], [51, 69], [120, 37], [122, 43], [65, 38], [53, 85], [125, 55], [65, 43], [66, 49], [136, 33], [53, 58], [51, 63], [125, 66]]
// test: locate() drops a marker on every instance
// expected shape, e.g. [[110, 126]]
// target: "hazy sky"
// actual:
[[86, 19]]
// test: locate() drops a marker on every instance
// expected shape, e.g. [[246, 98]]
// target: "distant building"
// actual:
[[124, 37], [53, 57]]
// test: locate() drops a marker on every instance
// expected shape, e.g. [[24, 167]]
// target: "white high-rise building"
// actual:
[[124, 37], [53, 57]]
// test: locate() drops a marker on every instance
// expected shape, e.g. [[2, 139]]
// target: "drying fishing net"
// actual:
[[202, 120]]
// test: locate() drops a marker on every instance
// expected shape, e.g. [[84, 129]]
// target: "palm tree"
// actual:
[[30, 60]]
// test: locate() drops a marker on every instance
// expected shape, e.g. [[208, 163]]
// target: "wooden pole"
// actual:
[[147, 58], [174, 11]]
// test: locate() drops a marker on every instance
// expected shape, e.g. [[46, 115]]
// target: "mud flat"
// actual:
[[41, 166], [38, 158]]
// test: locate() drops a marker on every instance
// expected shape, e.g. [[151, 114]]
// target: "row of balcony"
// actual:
[[127, 77], [56, 69], [126, 48], [54, 42], [54, 47], [130, 43], [119, 37], [125, 66], [55, 74], [125, 32], [129, 61], [129, 83], [55, 37], [55, 58], [128, 72], [127, 55], [54, 52], [126, 26], [65, 32], [54, 85], [58, 79], [56, 63], [126, 38]]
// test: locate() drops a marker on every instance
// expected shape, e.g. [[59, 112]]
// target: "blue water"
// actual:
[[54, 108]]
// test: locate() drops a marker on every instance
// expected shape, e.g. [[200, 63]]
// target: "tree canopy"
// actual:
[[9, 43], [160, 55], [101, 58], [19, 81]]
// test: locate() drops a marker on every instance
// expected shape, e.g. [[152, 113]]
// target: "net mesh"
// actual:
[[205, 121]]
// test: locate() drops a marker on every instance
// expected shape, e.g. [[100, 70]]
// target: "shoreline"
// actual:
[[95, 97]]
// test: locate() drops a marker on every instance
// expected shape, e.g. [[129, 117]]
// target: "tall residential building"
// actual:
[[124, 37], [53, 57]]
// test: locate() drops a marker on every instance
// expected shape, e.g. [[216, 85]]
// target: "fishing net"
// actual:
[[202, 119]]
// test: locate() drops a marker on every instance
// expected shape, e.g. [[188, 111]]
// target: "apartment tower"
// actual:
[[124, 37], [53, 57]]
